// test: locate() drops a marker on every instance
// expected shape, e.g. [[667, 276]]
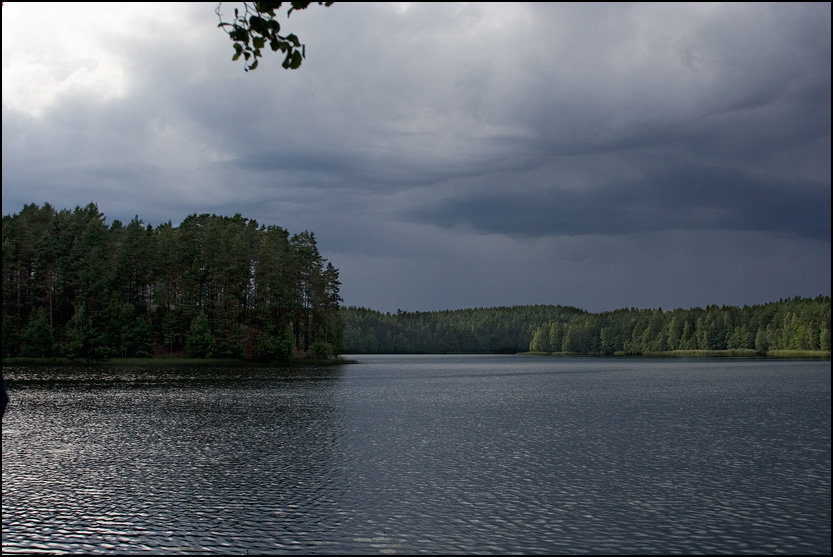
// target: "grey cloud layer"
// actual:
[[409, 134]]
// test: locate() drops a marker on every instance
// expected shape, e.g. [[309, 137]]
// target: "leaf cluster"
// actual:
[[258, 27]]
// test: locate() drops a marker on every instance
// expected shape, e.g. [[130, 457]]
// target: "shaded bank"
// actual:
[[176, 362]]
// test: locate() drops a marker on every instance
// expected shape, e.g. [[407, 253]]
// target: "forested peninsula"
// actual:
[[213, 287], [226, 287]]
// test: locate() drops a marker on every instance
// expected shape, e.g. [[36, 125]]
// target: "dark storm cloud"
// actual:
[[736, 138], [686, 198]]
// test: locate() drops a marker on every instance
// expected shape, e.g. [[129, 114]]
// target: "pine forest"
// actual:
[[216, 287]]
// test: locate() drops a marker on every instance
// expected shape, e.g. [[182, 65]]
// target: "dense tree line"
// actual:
[[478, 330], [792, 324], [212, 287]]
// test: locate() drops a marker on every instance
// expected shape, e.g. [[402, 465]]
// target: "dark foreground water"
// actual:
[[421, 454]]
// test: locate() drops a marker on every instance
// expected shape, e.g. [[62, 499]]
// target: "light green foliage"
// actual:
[[824, 338], [674, 332], [741, 338], [687, 340], [540, 341], [762, 340]]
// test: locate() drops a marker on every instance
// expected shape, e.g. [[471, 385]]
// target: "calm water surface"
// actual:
[[421, 454]]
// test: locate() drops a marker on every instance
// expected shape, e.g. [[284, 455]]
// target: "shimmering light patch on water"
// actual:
[[422, 455]]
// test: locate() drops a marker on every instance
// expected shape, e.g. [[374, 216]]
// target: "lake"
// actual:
[[421, 455]]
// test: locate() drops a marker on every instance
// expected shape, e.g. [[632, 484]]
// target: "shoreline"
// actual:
[[744, 353], [308, 362], [175, 362]]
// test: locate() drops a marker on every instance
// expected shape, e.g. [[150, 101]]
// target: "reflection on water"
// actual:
[[421, 455]]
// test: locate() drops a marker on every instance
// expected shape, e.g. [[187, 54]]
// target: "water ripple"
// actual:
[[630, 460]]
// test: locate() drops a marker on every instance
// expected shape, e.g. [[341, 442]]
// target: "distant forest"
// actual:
[[212, 287], [791, 324], [480, 330]]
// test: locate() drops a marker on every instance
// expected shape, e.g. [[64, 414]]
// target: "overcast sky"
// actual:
[[453, 155]]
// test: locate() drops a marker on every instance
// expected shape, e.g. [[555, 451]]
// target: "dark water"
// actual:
[[422, 454]]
